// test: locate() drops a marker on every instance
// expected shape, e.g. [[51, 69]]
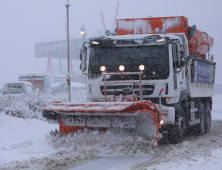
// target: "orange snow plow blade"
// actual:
[[144, 116]]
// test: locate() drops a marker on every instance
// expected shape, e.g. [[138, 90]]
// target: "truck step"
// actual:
[[194, 122], [193, 110]]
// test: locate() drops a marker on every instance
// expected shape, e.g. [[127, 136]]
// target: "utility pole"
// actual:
[[68, 75]]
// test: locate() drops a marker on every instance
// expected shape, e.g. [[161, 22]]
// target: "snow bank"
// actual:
[[30, 105], [23, 138], [78, 85], [23, 105]]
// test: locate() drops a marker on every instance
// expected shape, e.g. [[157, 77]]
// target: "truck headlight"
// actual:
[[141, 67], [95, 42], [102, 68], [121, 68], [160, 40]]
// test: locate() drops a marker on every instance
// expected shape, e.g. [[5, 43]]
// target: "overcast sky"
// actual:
[[26, 22]]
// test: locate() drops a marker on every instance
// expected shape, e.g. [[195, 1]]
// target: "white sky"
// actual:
[[26, 22]]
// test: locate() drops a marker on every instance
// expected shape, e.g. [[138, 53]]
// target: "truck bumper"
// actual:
[[168, 115]]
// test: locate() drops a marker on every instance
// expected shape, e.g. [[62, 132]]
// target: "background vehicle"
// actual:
[[167, 68], [40, 81], [18, 88]]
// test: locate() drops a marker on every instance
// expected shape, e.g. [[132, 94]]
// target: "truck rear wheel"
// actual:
[[207, 118], [201, 126]]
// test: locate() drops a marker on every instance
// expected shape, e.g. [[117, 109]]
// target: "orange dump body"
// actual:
[[176, 24]]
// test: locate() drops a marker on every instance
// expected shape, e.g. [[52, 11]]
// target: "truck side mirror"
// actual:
[[180, 64], [83, 58]]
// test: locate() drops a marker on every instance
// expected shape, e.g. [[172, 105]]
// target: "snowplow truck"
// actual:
[[155, 75]]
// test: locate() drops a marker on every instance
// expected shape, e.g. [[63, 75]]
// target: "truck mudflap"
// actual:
[[143, 116]]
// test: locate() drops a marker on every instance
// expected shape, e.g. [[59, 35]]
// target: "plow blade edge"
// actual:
[[143, 116]]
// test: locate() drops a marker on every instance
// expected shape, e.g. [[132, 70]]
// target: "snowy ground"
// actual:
[[33, 143]]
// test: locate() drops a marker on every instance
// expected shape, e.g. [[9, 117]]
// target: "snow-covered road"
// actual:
[[25, 145], [23, 138], [113, 163]]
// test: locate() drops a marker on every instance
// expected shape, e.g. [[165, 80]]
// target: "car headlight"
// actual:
[[121, 68], [141, 67], [102, 68]]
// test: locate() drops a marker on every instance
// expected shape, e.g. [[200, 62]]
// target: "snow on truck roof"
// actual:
[[140, 36]]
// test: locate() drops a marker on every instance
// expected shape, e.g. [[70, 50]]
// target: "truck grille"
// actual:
[[127, 89]]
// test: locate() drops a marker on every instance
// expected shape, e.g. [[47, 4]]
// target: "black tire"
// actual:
[[163, 141], [178, 133], [207, 118], [201, 126]]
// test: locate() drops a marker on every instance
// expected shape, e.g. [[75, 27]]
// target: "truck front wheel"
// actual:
[[178, 134], [178, 131]]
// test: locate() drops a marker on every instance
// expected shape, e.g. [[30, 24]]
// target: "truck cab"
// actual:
[[159, 57]]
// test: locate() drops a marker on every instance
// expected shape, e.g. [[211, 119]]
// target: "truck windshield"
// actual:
[[154, 58]]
